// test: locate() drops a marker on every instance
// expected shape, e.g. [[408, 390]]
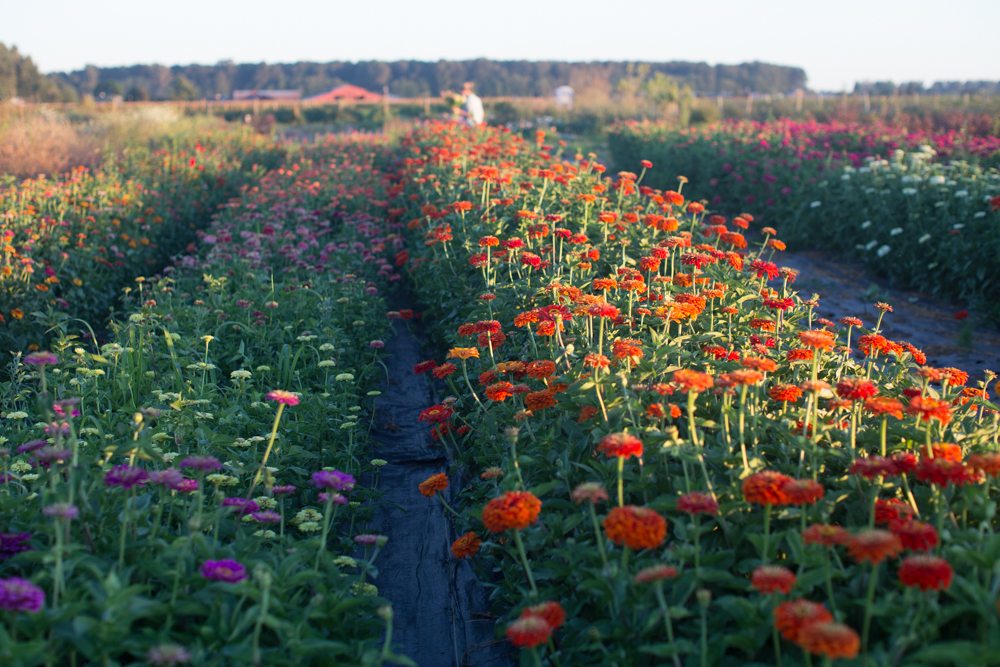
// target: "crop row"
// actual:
[[678, 462], [188, 493], [70, 243], [918, 209]]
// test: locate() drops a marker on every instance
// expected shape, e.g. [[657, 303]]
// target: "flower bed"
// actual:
[[910, 206], [187, 493], [679, 463], [71, 243]]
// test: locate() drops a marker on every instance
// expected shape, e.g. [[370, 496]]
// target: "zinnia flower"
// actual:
[[773, 579], [766, 488], [691, 380], [12, 544], [18, 594], [873, 546], [334, 480], [928, 573], [793, 616], [282, 397], [529, 631], [621, 445], [825, 534], [915, 535], [635, 527], [550, 612], [655, 573], [126, 476], [514, 509], [466, 546], [697, 503], [589, 492], [830, 639], [433, 484], [227, 570], [803, 491]]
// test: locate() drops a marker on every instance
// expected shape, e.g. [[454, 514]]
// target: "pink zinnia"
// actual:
[[283, 397]]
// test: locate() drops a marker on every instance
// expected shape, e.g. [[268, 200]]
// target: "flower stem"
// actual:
[[267, 451], [524, 561]]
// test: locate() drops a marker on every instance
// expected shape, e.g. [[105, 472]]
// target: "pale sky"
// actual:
[[836, 42]]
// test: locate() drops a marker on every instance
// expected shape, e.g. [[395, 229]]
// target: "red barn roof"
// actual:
[[347, 93]]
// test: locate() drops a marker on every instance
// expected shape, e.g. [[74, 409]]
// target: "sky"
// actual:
[[837, 43]]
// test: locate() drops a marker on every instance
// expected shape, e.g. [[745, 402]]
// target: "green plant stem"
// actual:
[[524, 561]]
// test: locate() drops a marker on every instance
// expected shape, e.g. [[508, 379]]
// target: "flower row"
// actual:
[[189, 492], [678, 461]]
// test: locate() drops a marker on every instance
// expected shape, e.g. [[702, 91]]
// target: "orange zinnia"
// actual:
[[514, 509], [793, 616], [873, 545], [691, 380], [635, 527], [433, 484], [466, 546], [830, 639]]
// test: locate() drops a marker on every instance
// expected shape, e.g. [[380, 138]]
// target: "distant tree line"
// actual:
[[20, 77], [936, 88], [409, 78]]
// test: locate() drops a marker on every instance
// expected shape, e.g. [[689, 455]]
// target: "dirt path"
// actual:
[[439, 607], [930, 324]]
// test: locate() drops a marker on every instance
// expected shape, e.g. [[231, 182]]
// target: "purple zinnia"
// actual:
[[335, 498], [266, 516], [65, 511], [282, 489], [243, 505], [18, 594], [48, 455], [126, 476], [168, 477], [333, 480], [41, 359], [186, 486], [31, 446], [227, 570], [202, 463], [13, 543]]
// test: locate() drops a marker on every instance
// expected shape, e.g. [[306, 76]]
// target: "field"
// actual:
[[262, 392]]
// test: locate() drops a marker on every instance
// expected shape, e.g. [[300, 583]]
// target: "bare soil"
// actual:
[[847, 289]]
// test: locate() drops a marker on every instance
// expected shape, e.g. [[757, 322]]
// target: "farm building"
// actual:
[[346, 93]]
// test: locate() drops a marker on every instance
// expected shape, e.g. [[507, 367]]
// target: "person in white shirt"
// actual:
[[473, 112]]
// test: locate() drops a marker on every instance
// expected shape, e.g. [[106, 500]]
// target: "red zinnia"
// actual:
[[915, 535], [697, 503], [773, 579], [550, 612], [529, 631], [825, 534], [620, 444], [793, 616], [928, 573], [803, 491], [766, 488]]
